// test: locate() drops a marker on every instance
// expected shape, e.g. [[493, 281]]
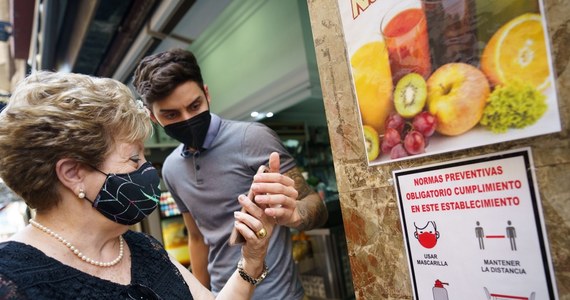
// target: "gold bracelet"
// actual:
[[248, 278]]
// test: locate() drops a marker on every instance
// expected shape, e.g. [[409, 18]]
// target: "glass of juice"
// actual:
[[404, 29], [452, 30]]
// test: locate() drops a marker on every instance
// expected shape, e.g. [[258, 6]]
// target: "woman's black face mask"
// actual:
[[191, 132]]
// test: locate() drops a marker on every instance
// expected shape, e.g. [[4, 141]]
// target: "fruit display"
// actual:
[[473, 90], [301, 246]]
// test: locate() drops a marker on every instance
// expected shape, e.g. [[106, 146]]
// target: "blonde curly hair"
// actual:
[[51, 116]]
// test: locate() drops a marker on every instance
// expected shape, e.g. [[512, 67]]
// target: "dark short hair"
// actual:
[[159, 74]]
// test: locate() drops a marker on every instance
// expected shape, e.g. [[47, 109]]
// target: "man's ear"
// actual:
[[207, 93], [70, 173]]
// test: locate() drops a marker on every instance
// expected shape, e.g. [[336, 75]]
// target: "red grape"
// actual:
[[398, 151], [385, 148], [391, 138], [414, 142], [395, 121], [425, 123]]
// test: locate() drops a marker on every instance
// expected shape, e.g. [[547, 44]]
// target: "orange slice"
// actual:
[[517, 51]]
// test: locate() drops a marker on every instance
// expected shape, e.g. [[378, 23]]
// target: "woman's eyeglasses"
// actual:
[[141, 292]]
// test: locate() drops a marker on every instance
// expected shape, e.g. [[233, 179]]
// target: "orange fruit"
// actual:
[[517, 51], [373, 83]]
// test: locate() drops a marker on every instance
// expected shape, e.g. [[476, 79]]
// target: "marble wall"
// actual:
[[367, 196]]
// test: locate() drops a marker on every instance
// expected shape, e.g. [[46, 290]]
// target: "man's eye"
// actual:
[[195, 106], [170, 116]]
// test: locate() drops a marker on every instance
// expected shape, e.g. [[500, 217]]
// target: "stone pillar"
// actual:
[[367, 196], [6, 65]]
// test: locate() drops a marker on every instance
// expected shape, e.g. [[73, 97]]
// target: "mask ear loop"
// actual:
[[82, 195], [94, 168]]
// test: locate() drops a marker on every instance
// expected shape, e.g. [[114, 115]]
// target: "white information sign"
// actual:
[[474, 229]]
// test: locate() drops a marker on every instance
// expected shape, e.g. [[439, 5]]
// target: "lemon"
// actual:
[[517, 51], [373, 83]]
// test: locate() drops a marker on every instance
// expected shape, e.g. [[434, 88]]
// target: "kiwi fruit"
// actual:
[[372, 142], [410, 95]]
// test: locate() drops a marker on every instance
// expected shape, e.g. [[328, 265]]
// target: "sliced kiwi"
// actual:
[[410, 95], [372, 142]]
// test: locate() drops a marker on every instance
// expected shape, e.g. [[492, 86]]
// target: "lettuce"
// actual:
[[513, 105]]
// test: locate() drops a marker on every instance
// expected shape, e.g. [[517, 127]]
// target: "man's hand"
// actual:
[[290, 202]]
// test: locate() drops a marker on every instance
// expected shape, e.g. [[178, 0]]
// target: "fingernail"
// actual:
[[235, 223], [235, 213]]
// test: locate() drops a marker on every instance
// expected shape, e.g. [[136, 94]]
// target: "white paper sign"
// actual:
[[474, 229]]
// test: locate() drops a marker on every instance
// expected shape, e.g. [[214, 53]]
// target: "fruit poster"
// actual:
[[434, 76], [474, 229]]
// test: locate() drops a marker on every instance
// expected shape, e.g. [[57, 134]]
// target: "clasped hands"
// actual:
[[275, 202]]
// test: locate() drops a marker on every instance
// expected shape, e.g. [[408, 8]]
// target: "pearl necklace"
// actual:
[[76, 251]]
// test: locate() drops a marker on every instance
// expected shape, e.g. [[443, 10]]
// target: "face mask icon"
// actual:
[[427, 235]]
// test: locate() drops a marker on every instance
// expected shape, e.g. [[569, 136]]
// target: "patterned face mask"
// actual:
[[128, 198]]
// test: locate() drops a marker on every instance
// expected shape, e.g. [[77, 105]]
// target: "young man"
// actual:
[[216, 162]]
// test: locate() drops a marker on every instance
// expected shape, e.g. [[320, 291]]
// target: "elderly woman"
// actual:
[[72, 147]]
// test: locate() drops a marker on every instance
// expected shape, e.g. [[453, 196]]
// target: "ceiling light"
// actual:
[[254, 114], [269, 114]]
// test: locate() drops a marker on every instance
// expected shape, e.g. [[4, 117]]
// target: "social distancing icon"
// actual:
[[510, 234]]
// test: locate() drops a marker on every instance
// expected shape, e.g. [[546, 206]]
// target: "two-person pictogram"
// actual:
[[510, 234]]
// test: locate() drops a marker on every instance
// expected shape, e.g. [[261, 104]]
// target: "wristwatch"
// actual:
[[248, 278]]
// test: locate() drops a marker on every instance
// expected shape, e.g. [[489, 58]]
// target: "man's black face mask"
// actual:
[[191, 132]]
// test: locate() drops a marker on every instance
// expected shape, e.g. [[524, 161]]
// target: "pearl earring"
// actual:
[[81, 194]]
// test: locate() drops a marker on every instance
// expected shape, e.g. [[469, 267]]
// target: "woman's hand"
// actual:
[[256, 227]]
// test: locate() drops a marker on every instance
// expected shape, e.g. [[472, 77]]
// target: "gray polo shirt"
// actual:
[[207, 185]]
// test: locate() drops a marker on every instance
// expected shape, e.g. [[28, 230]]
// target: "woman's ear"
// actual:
[[70, 173]]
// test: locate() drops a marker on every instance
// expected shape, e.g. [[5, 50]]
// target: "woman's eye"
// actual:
[[135, 159]]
